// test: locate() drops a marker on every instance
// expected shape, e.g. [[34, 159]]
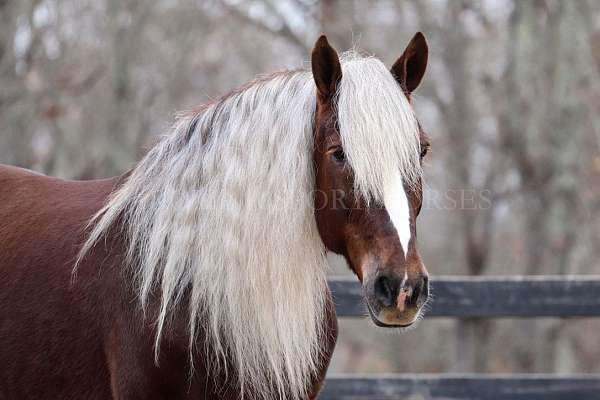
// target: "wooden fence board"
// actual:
[[492, 297], [462, 386]]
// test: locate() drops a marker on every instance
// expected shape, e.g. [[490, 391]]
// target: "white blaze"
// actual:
[[396, 203]]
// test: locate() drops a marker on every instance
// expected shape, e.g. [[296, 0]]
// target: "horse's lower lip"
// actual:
[[383, 325], [377, 322]]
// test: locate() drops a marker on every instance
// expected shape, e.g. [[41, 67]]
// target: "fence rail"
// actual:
[[463, 386], [478, 297], [492, 297]]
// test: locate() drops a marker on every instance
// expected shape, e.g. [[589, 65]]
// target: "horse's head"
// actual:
[[377, 238]]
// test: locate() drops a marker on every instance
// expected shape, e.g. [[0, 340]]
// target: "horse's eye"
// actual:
[[424, 150], [339, 155]]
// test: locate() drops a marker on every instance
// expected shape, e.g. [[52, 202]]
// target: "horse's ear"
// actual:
[[326, 68], [410, 67]]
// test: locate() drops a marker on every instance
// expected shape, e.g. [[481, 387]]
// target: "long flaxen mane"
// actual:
[[221, 212]]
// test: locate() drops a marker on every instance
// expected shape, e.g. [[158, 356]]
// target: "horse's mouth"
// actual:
[[382, 324]]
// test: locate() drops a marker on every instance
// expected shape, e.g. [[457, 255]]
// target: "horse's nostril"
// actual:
[[384, 291], [425, 287], [416, 292], [420, 292]]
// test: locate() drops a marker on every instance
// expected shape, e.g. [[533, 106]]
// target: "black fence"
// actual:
[[479, 297]]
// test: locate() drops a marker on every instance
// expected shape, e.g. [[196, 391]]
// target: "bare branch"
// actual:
[[285, 30]]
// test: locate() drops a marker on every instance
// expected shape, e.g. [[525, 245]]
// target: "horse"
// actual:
[[201, 272]]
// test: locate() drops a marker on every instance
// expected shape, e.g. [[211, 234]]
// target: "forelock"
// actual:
[[378, 128]]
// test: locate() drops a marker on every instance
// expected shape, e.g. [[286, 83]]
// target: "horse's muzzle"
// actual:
[[394, 301]]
